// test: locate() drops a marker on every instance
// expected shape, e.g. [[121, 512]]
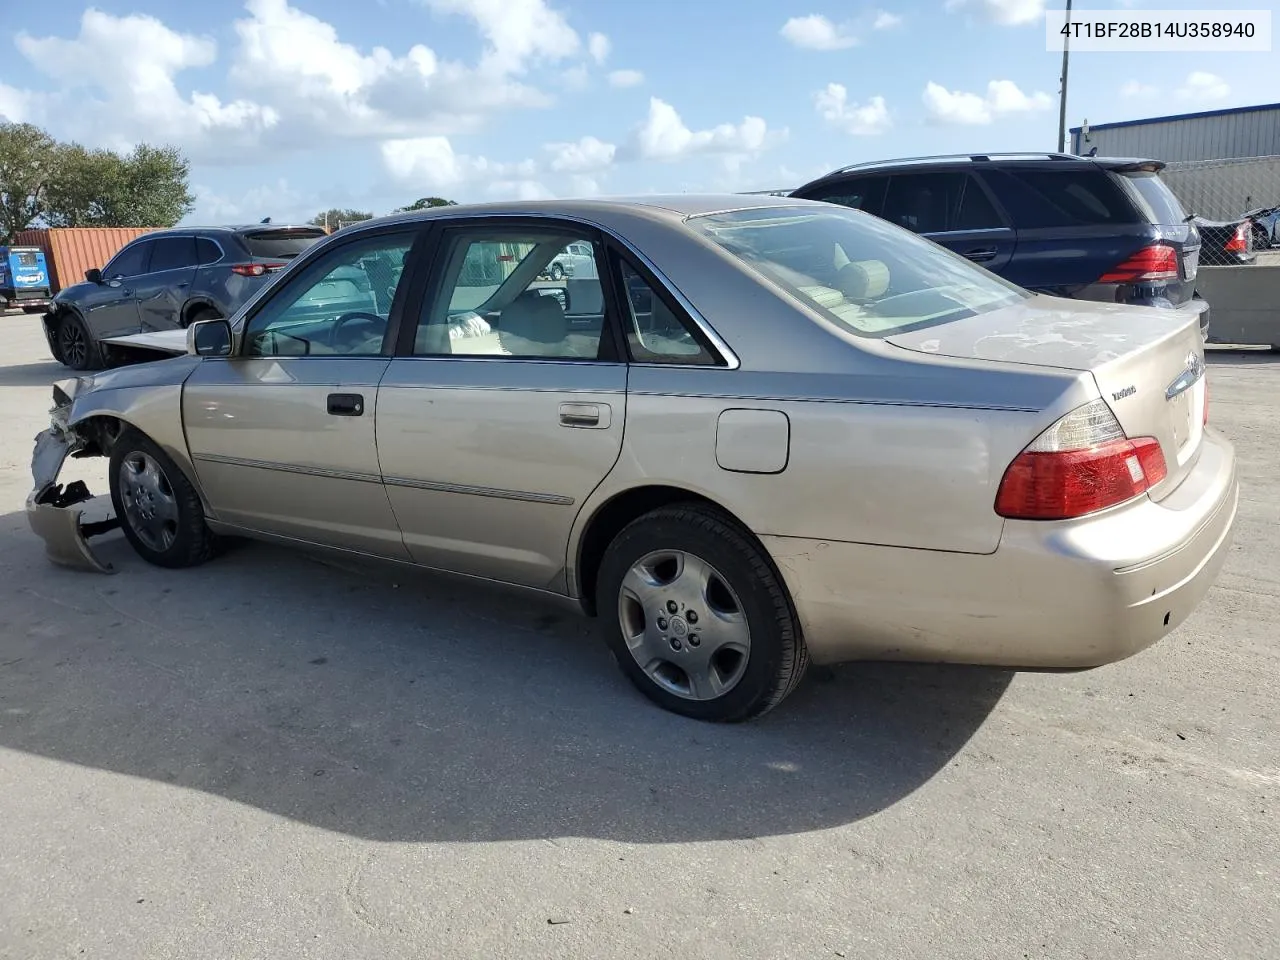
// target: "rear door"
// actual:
[[952, 208], [163, 290], [505, 405]]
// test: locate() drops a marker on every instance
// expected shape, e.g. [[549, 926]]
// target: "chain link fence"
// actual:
[[1236, 205]]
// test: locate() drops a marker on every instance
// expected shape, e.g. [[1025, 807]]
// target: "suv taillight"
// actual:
[[1082, 464], [1239, 242], [256, 269], [1156, 262]]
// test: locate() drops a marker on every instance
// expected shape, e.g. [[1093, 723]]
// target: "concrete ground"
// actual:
[[273, 757]]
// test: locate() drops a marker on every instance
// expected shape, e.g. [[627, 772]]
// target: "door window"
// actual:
[[656, 332], [495, 297], [977, 212], [860, 193], [923, 202], [129, 262], [340, 304], [173, 253]]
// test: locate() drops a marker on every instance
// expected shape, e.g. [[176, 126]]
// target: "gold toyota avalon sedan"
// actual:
[[748, 432]]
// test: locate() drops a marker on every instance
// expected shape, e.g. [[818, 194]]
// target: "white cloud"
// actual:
[[1009, 13], [118, 81], [1003, 98], [518, 190], [582, 156], [816, 32], [430, 163], [598, 45], [279, 200], [1137, 90], [118, 86], [1202, 87], [581, 185], [886, 21], [664, 136], [517, 31], [14, 105], [860, 119], [576, 78], [626, 78]]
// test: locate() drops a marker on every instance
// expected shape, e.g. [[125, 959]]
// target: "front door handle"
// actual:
[[590, 416], [346, 404], [981, 255]]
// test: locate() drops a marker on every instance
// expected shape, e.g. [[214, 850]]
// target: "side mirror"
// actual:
[[93, 275], [209, 338]]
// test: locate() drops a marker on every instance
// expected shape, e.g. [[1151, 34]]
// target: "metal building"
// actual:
[[1212, 135]]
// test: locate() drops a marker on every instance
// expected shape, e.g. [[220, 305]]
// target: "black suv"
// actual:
[[165, 280], [1089, 228]]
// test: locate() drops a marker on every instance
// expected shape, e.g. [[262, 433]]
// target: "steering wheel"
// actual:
[[377, 323]]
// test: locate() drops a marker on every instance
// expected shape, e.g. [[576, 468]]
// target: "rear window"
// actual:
[[1060, 198], [870, 277], [1154, 198], [280, 244]]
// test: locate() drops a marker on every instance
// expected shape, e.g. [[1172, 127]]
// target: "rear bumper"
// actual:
[[1068, 595]]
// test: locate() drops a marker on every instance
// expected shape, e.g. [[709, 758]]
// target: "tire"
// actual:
[[557, 272], [76, 347], [691, 556], [202, 313], [161, 515]]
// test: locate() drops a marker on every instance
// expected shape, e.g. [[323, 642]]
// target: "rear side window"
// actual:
[[1060, 198], [173, 253], [280, 244], [858, 193], [923, 202], [207, 251], [1154, 198]]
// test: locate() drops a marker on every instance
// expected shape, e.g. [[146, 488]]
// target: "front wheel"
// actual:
[[697, 618], [159, 509], [76, 348], [557, 272]]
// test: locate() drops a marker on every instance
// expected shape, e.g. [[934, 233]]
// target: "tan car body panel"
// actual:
[[868, 470]]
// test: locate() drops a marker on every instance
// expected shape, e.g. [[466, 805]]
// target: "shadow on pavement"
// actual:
[[1241, 357], [397, 706], [34, 374]]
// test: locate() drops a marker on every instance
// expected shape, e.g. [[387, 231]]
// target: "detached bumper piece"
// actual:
[[55, 513]]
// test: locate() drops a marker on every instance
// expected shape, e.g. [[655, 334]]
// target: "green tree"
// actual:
[[423, 203], [86, 187], [337, 217], [153, 191], [28, 158]]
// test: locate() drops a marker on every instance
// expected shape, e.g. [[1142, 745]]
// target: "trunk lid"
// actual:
[[1148, 362]]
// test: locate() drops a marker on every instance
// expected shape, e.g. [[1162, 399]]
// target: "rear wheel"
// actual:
[[76, 348], [696, 616], [159, 509], [557, 272], [202, 314]]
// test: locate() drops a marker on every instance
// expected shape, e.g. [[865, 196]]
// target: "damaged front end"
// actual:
[[56, 513]]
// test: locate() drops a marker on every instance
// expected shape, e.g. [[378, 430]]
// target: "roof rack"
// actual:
[[971, 157]]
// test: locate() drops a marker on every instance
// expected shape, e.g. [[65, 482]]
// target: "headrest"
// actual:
[[533, 324], [863, 279]]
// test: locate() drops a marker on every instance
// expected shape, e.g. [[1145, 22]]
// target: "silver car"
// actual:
[[773, 430]]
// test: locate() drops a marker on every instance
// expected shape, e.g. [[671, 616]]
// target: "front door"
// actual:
[[110, 308], [163, 290], [282, 435], [505, 409]]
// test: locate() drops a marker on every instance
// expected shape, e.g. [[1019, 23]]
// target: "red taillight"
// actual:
[[1080, 465], [1156, 262], [1239, 243], [255, 269]]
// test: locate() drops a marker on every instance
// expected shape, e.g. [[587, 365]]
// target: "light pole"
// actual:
[[1062, 93]]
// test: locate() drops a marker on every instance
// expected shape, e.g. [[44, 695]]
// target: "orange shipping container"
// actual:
[[71, 251]]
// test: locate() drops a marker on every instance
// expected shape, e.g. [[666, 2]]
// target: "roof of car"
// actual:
[[1067, 160], [227, 228]]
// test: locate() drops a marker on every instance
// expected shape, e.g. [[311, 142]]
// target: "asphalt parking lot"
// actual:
[[275, 757]]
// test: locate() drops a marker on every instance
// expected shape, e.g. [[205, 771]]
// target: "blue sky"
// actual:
[[286, 107]]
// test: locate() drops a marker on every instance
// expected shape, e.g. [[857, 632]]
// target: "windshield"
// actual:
[[872, 278]]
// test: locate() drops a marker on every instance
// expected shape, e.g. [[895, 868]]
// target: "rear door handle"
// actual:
[[981, 254], [346, 404], [590, 416]]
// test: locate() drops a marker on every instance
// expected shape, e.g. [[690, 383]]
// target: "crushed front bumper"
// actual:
[[55, 513]]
